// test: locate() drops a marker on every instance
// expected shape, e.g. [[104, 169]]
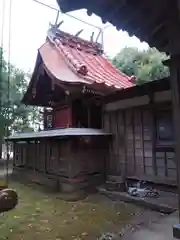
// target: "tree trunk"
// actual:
[[1, 69]]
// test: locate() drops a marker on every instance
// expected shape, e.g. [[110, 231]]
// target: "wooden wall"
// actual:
[[66, 159], [134, 151], [47, 156]]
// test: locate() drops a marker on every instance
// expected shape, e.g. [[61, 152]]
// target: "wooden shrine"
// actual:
[[70, 80], [156, 22]]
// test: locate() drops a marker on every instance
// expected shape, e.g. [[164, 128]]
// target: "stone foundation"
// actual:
[[115, 183], [66, 189]]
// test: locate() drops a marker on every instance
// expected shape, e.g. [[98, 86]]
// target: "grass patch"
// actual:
[[41, 215]]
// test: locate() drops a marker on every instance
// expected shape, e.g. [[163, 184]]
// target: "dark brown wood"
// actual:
[[124, 139], [152, 109], [76, 163], [140, 160], [121, 146], [116, 141], [165, 164], [45, 156], [175, 76], [164, 148], [135, 14], [142, 128], [156, 179], [130, 142], [141, 150], [139, 90], [114, 163], [133, 132], [14, 153], [35, 154]]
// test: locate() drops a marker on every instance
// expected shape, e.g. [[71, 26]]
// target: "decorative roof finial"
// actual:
[[78, 33], [92, 36]]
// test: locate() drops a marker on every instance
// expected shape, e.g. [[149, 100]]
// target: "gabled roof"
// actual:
[[74, 60], [75, 65]]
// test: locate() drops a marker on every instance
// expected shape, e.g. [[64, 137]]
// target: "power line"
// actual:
[[46, 5], [67, 14], [101, 30]]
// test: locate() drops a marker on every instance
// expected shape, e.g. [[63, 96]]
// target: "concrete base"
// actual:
[[65, 190], [176, 231], [115, 183], [161, 204]]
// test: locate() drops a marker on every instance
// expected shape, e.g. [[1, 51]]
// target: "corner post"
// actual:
[[174, 65]]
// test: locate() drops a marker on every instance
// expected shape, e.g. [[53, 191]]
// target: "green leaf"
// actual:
[[146, 65]]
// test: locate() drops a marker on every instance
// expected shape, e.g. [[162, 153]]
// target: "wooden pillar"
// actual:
[[173, 31], [36, 158], [14, 154], [152, 110], [174, 64], [46, 154]]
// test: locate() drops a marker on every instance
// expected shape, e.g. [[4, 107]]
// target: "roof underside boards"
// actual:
[[145, 19], [59, 133]]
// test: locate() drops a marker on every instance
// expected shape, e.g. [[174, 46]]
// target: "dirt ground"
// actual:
[[141, 219], [42, 215]]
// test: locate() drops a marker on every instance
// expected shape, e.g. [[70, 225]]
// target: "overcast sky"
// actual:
[[30, 22]]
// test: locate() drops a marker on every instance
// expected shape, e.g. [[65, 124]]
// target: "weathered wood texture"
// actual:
[[134, 150], [75, 160]]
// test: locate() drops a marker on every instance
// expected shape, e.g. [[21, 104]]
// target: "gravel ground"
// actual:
[[141, 219]]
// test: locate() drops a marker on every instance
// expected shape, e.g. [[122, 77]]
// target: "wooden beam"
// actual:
[[134, 141], [175, 83], [158, 27], [159, 97], [152, 109], [46, 155], [142, 134], [159, 32]]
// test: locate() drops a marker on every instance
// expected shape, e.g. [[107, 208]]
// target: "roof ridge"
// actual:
[[75, 41]]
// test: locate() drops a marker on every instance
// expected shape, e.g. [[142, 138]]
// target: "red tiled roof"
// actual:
[[84, 59]]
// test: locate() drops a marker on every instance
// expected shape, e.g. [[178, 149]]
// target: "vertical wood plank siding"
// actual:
[[133, 148], [79, 159]]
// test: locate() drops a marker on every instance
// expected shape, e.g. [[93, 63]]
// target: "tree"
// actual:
[[146, 65], [14, 114]]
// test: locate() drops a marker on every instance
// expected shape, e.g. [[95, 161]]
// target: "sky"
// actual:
[[30, 22]]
